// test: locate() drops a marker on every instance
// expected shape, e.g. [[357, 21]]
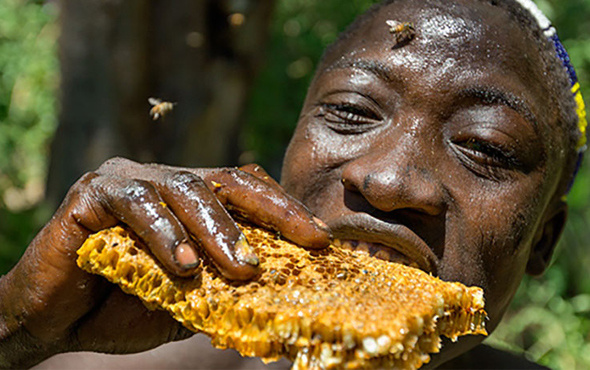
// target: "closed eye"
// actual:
[[348, 118], [485, 158]]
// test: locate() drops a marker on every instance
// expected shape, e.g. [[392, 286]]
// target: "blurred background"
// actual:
[[75, 78]]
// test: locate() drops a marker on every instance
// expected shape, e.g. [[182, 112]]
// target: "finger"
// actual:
[[295, 222], [256, 170], [260, 173], [137, 204], [268, 206], [207, 220]]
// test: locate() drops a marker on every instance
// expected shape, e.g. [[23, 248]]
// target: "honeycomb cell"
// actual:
[[330, 308]]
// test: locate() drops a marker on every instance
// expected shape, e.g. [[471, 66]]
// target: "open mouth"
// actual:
[[388, 241], [376, 250]]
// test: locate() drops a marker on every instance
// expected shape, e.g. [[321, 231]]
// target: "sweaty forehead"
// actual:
[[454, 27], [457, 39], [454, 23], [444, 27]]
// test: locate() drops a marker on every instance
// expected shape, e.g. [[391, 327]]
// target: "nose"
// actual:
[[392, 180]]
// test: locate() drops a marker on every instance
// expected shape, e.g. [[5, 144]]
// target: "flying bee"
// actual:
[[402, 31], [160, 108]]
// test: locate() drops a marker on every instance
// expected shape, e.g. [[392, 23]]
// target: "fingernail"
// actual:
[[320, 223], [244, 252], [186, 256]]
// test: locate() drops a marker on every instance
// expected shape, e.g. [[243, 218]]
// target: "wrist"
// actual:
[[8, 325], [18, 348]]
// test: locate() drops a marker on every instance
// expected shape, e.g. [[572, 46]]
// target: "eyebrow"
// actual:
[[372, 66], [491, 95], [485, 94]]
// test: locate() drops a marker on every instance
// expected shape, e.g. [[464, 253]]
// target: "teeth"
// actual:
[[384, 255], [375, 250], [363, 247], [347, 245]]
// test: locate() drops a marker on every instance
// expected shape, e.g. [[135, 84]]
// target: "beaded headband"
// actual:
[[551, 34]]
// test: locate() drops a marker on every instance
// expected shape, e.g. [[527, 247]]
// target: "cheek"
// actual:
[[306, 165], [312, 165], [488, 242]]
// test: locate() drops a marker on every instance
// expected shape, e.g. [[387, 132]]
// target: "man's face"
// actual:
[[435, 153]]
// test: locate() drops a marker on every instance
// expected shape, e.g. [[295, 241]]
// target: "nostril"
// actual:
[[390, 191], [348, 185]]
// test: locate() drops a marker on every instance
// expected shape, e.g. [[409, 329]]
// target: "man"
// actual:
[[450, 146]]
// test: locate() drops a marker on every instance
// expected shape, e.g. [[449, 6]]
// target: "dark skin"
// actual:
[[439, 148], [444, 153], [49, 305]]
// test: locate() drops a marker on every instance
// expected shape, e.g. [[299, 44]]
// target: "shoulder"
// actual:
[[486, 357]]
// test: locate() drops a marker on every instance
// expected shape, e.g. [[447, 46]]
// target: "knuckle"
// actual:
[[184, 179], [86, 203], [244, 177], [85, 179], [257, 168], [234, 172], [82, 184], [254, 167], [137, 190], [112, 165], [231, 175]]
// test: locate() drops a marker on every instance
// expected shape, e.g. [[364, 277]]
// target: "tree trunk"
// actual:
[[115, 54]]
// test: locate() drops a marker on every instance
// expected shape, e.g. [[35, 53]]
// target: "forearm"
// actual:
[[18, 348]]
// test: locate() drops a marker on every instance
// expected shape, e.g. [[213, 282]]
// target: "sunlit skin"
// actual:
[[407, 143], [49, 305], [445, 150]]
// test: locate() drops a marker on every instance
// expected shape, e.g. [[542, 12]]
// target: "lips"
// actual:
[[392, 242], [375, 250]]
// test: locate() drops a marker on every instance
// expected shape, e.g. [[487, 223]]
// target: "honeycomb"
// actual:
[[329, 308]]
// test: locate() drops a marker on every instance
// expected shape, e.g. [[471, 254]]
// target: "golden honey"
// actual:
[[329, 308]]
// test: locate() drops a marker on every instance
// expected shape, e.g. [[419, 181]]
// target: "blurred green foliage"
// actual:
[[549, 321], [28, 86]]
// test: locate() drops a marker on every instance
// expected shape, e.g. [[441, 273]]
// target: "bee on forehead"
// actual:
[[402, 31], [160, 108]]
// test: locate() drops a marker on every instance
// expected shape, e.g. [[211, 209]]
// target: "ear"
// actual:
[[546, 239]]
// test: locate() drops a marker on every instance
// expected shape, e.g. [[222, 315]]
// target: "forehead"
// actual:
[[456, 42], [456, 25]]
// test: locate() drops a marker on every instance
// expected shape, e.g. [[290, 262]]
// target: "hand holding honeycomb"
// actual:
[[327, 308]]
